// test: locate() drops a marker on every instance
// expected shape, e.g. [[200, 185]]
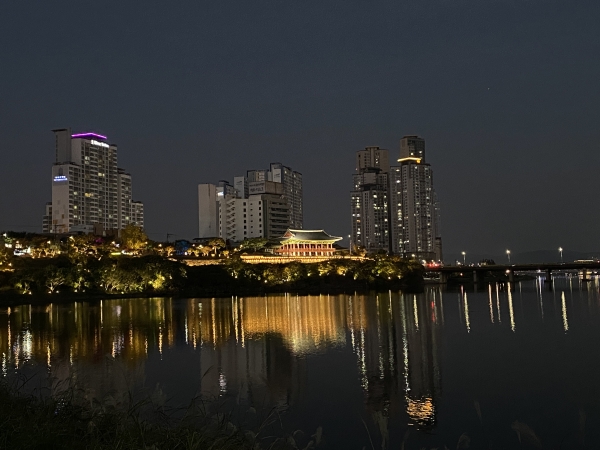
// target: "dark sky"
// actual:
[[506, 94]]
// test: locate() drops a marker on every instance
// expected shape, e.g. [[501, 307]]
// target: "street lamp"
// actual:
[[560, 249], [464, 258], [350, 241], [508, 254]]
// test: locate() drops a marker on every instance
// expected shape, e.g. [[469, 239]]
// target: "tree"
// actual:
[[359, 250], [254, 244], [6, 255], [54, 277], [216, 244], [134, 238]]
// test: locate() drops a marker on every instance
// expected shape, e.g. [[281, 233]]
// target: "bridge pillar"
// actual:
[[511, 276], [548, 275], [584, 274], [475, 276], [443, 278]]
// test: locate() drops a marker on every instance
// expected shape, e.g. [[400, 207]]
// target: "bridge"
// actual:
[[509, 269]]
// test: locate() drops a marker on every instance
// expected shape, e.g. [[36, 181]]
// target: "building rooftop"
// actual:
[[88, 136], [308, 235]]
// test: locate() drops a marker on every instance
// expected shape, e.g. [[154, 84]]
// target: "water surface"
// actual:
[[363, 367]]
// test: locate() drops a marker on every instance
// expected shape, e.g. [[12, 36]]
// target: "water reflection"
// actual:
[[251, 347], [258, 348]]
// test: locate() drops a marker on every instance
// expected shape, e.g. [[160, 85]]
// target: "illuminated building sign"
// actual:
[[99, 144], [411, 158], [88, 136], [60, 178]]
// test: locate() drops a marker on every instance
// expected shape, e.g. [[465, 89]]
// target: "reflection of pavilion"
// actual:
[[254, 345], [249, 347]]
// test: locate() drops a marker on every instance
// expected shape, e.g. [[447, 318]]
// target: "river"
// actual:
[[389, 367]]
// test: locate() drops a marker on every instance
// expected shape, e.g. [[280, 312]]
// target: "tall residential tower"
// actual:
[[394, 208], [89, 192], [263, 203]]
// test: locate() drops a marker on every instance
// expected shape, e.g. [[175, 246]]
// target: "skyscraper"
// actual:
[[369, 197], [394, 208], [292, 190], [414, 221], [89, 191]]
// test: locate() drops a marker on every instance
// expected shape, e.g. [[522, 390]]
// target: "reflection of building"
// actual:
[[395, 341], [87, 187], [250, 348]]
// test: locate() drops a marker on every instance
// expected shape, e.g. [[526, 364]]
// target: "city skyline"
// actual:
[[501, 101]]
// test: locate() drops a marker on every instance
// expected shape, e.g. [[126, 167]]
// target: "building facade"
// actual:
[[291, 185], [262, 203], [395, 208], [306, 243], [223, 214], [370, 210], [88, 189], [291, 181]]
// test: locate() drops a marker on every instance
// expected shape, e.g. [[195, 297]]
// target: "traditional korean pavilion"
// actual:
[[306, 243]]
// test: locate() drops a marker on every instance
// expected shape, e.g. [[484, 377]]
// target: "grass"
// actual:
[[73, 422]]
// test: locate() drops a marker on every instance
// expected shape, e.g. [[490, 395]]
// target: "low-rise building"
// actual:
[[306, 243]]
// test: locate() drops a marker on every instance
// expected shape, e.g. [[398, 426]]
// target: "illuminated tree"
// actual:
[[253, 244], [360, 250], [6, 255], [81, 246], [293, 271], [216, 244], [54, 277], [24, 281], [133, 238]]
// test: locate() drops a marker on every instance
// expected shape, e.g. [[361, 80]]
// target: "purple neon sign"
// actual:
[[88, 136]]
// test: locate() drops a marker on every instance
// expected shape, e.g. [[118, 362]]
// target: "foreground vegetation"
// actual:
[[88, 266], [74, 422]]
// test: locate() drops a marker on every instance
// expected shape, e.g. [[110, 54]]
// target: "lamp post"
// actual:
[[560, 249], [508, 254], [464, 258], [350, 241]]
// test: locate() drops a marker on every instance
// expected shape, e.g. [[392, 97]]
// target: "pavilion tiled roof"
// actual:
[[308, 235]]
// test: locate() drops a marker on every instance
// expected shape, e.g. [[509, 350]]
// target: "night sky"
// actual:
[[506, 94]]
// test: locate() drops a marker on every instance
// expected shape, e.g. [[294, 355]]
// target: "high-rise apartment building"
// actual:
[[222, 213], [262, 203], [292, 190], [89, 191], [394, 208], [370, 200], [291, 182], [373, 158]]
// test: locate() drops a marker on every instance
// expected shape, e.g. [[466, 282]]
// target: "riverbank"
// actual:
[[69, 421], [60, 279]]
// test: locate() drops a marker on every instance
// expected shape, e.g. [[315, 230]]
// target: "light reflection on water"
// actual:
[[265, 350]]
